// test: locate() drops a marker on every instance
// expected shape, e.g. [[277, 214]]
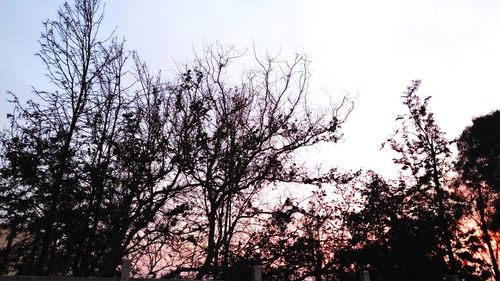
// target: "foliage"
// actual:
[[424, 152], [478, 165], [300, 240], [479, 155], [407, 227], [391, 236], [93, 170]]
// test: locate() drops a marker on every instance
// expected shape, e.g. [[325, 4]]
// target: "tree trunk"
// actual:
[[442, 214], [211, 250]]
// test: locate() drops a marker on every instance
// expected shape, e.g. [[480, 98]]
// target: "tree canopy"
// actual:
[[478, 165], [203, 174]]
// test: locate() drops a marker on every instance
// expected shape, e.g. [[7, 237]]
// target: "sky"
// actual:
[[370, 50]]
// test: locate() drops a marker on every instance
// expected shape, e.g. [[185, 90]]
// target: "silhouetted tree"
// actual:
[[407, 228], [236, 137], [424, 153], [299, 238], [87, 168], [393, 235], [39, 150], [478, 164]]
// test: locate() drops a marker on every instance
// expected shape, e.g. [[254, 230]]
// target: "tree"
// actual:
[[393, 235], [88, 168], [424, 153], [407, 227], [42, 137], [238, 137], [478, 164], [102, 165], [300, 238]]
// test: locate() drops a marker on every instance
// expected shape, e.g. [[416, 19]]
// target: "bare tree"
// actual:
[[88, 168], [74, 57], [237, 137], [93, 171]]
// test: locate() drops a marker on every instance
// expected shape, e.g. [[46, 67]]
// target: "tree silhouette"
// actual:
[[424, 153], [237, 137], [478, 164], [393, 235], [300, 238], [407, 228], [93, 170], [88, 168], [111, 161]]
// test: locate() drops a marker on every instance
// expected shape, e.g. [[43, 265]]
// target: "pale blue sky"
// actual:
[[371, 49]]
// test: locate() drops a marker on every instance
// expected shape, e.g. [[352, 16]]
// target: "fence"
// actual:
[[365, 276], [255, 275]]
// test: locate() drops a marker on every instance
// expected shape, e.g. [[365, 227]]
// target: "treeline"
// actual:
[[116, 162]]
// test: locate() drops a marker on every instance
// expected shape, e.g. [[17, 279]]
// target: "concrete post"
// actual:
[[364, 276], [256, 273], [125, 270]]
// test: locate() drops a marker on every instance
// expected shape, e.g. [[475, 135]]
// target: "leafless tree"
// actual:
[[235, 138], [88, 167]]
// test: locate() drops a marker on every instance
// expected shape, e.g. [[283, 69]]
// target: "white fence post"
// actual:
[[256, 273], [125, 270], [364, 276]]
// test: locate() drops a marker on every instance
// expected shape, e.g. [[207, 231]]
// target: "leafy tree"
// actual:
[[391, 236], [423, 152], [39, 149], [478, 164], [408, 227]]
